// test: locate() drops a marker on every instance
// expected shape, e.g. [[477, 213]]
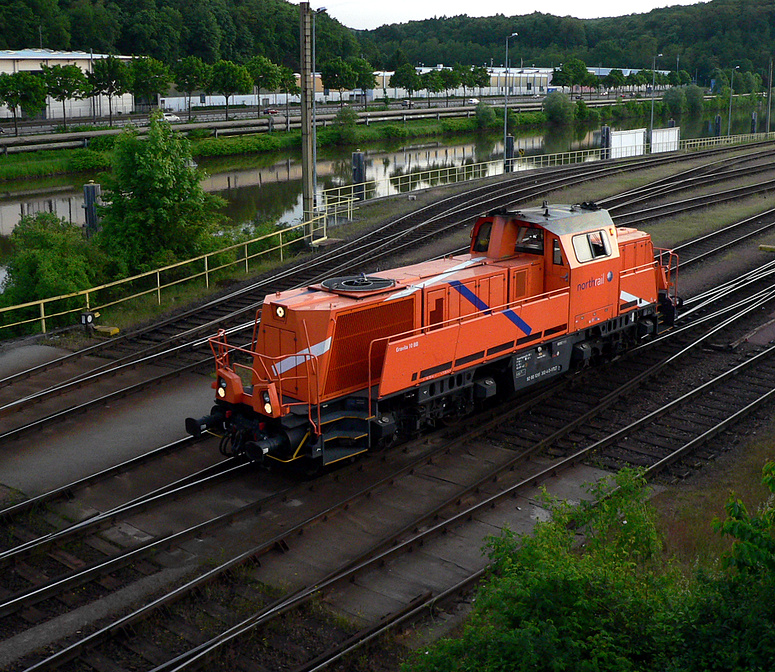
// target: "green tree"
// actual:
[[694, 99], [265, 74], [614, 79], [49, 257], [65, 82], [338, 75], [345, 125], [675, 100], [228, 79], [406, 77], [156, 211], [149, 79], [480, 76], [485, 116], [109, 77], [191, 74], [559, 108], [364, 75], [463, 73], [23, 91], [450, 79], [431, 81]]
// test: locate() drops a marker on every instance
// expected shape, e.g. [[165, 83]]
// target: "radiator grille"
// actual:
[[349, 366]]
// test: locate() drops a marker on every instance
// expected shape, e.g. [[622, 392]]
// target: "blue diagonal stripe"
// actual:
[[482, 306], [516, 319]]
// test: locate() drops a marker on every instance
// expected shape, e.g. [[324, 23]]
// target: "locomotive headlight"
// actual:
[[279, 311], [268, 409], [221, 388], [267, 403]]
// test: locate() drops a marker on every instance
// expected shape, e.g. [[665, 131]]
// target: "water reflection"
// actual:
[[267, 188]]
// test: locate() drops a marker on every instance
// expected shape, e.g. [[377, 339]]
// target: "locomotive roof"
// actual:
[[563, 219]]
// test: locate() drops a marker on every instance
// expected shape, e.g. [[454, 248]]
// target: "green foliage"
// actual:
[[694, 99], [50, 257], [754, 548], [228, 78], [338, 75], [345, 125], [65, 82], [552, 607], [191, 73], [590, 590], [485, 116], [22, 90], [87, 160], [675, 100], [149, 78], [559, 109], [582, 111], [406, 77], [109, 77], [156, 211]]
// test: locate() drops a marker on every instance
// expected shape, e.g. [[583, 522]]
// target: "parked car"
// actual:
[[407, 103], [472, 101], [170, 117], [271, 110]]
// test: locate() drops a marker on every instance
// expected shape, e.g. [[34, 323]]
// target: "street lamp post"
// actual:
[[653, 84], [731, 88], [506, 105]]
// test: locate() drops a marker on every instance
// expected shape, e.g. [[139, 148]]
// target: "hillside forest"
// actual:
[[697, 38]]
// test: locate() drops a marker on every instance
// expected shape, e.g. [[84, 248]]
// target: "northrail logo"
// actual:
[[595, 282]]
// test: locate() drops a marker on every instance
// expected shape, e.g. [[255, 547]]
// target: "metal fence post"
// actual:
[[43, 317], [207, 272], [158, 286]]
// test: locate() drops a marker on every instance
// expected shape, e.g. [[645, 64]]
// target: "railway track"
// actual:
[[177, 345], [447, 477]]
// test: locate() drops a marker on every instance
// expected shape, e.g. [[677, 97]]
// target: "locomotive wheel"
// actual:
[[310, 467]]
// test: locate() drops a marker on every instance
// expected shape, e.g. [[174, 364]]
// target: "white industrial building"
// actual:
[[31, 60]]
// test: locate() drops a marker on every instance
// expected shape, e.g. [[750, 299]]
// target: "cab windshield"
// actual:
[[482, 242]]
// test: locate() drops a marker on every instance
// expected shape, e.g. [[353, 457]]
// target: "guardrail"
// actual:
[[423, 179]]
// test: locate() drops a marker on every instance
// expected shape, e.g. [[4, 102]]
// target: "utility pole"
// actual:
[[307, 92], [769, 98]]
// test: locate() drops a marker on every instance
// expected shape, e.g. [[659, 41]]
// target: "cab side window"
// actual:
[[591, 246]]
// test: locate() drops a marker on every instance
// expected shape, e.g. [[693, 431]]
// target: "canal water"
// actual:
[[267, 188]]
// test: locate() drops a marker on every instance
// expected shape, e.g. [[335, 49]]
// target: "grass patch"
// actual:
[[679, 228], [685, 511]]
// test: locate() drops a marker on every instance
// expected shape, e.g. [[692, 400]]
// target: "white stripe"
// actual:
[[299, 358], [626, 297], [411, 289]]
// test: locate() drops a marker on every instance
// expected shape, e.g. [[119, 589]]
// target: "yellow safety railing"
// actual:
[[96, 299]]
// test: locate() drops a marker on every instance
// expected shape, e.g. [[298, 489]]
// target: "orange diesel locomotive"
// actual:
[[359, 362]]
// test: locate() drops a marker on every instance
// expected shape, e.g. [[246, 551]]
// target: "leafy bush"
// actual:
[[102, 143], [485, 116], [84, 160], [590, 590], [559, 108]]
